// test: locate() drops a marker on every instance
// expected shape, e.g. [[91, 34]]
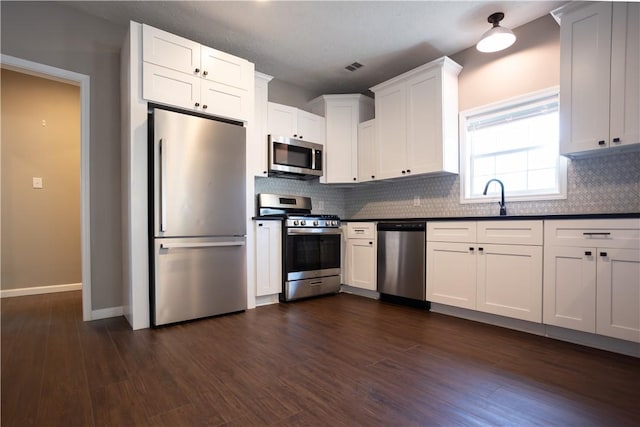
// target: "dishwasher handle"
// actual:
[[402, 226]]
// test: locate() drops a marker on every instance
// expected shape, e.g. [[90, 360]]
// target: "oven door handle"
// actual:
[[314, 231]]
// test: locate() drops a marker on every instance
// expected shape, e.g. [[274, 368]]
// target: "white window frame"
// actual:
[[465, 184]]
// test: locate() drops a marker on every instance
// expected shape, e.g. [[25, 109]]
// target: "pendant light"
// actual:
[[497, 38]]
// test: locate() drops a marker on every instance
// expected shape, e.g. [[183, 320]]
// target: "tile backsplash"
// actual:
[[605, 184]]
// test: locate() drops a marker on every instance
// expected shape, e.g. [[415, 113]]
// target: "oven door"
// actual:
[[312, 253]]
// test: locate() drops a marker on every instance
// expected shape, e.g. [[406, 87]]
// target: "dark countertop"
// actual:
[[504, 218]]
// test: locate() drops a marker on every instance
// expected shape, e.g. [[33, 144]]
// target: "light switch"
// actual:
[[37, 182]]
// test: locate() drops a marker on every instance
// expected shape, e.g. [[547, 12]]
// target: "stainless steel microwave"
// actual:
[[294, 158]]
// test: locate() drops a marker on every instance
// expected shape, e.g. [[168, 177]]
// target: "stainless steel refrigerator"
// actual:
[[198, 238]]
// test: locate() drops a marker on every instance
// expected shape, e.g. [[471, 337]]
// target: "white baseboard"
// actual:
[[105, 313], [36, 290]]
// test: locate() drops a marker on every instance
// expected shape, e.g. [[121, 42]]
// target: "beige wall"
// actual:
[[40, 138], [531, 63], [57, 35]]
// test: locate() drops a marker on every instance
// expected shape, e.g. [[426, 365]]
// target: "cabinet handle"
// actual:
[[596, 233], [603, 254], [587, 253], [617, 140], [197, 70], [204, 106], [471, 249], [480, 249], [204, 73], [197, 104], [601, 142], [259, 225]]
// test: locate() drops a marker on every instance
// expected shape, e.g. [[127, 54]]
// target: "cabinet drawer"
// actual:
[[456, 231], [600, 233], [361, 230], [510, 232]]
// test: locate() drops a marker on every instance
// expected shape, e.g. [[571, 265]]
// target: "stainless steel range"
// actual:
[[311, 246]]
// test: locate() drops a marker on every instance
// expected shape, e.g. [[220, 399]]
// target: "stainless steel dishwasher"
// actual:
[[401, 262]]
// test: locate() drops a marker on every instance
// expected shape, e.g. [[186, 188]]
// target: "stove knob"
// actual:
[[303, 222], [315, 222], [295, 222], [335, 222]]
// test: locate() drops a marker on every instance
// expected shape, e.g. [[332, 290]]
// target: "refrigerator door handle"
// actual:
[[200, 245], [163, 180]]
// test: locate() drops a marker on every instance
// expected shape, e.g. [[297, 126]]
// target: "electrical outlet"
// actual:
[[321, 205], [416, 201], [37, 182]]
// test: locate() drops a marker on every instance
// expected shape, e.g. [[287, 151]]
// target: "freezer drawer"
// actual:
[[197, 278]]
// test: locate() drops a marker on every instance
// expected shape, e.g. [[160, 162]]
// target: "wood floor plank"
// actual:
[[340, 361]]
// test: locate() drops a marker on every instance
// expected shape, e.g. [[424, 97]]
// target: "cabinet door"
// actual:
[[569, 290], [367, 159], [451, 274], [341, 142], [170, 51], [225, 101], [625, 74], [310, 127], [391, 132], [170, 87], [226, 69], [282, 120], [268, 258], [510, 281], [361, 263], [424, 123], [618, 293], [258, 140], [585, 42]]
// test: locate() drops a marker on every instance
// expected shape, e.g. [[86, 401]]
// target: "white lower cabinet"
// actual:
[[471, 265], [592, 276], [360, 257], [268, 257]]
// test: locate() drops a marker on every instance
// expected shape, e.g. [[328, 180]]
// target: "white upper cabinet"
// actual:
[[599, 77], [367, 157], [342, 115], [417, 121], [182, 73], [283, 120], [257, 141]]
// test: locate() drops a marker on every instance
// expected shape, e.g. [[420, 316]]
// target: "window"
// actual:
[[515, 141]]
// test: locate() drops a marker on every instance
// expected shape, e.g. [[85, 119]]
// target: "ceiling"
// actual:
[[309, 43]]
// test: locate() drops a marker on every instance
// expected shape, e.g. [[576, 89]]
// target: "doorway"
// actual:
[[82, 81]]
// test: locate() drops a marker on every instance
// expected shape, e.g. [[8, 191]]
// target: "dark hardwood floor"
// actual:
[[336, 361]]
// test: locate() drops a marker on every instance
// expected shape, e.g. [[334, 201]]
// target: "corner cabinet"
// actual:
[[360, 257], [283, 120], [490, 266], [268, 257], [417, 121], [342, 114], [592, 276], [599, 77], [182, 73]]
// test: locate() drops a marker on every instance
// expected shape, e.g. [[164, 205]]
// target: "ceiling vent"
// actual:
[[353, 67]]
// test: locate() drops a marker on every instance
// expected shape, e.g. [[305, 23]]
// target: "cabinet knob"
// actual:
[[601, 142], [197, 70], [300, 136], [204, 73], [264, 172], [480, 249], [259, 225], [471, 249], [603, 254], [404, 172], [197, 104], [373, 176], [354, 179], [204, 106], [408, 170], [617, 140], [295, 135], [587, 253], [371, 243]]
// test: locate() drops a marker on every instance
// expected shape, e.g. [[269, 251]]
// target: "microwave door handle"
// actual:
[[313, 160]]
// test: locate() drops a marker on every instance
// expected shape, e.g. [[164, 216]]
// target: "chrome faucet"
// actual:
[[503, 208]]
